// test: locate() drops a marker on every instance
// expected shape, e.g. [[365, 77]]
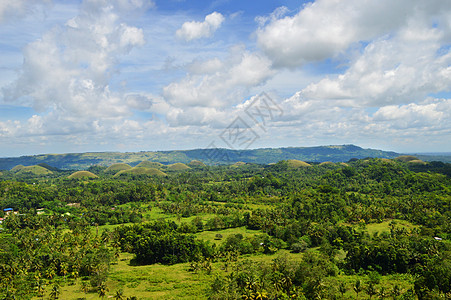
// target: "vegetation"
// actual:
[[114, 168], [141, 171], [365, 229], [82, 174], [178, 167], [82, 161], [150, 164], [294, 163]]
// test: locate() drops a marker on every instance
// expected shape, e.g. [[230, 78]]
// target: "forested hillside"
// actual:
[[212, 156], [368, 228]]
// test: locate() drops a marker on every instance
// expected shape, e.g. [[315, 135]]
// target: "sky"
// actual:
[[147, 75]]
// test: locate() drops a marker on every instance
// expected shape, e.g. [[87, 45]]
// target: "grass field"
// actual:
[[144, 282], [385, 226], [177, 282]]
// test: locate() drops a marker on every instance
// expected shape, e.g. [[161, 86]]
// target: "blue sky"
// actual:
[[141, 75]]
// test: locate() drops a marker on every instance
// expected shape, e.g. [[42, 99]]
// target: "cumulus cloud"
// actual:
[[225, 86], [396, 54], [400, 69], [326, 28], [66, 72], [18, 8], [395, 127], [195, 30], [430, 113]]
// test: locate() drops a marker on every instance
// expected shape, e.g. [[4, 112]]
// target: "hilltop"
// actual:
[[81, 161]]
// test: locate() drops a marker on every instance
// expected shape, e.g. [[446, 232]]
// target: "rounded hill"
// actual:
[[178, 167], [117, 167], [17, 168], [150, 164], [31, 170], [327, 163], [238, 164], [141, 171], [386, 160], [416, 162], [294, 163], [406, 158], [82, 174], [196, 163]]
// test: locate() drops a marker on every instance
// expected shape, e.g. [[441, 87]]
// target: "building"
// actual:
[[8, 211]]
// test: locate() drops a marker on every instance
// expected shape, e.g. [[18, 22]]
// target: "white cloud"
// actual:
[[433, 113], [326, 28], [68, 70], [18, 8], [394, 54], [276, 14], [398, 127], [195, 30], [400, 69], [205, 67], [222, 87]]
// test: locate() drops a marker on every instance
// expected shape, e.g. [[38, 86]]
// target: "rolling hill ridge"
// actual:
[[81, 161]]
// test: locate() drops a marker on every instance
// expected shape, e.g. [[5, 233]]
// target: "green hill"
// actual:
[[294, 163], [82, 174], [196, 163], [178, 167], [141, 171], [156, 159], [117, 167], [416, 161], [327, 163], [150, 164], [406, 158], [32, 170], [48, 167], [17, 168]]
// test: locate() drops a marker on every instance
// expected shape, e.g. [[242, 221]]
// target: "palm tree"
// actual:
[[55, 292], [40, 288], [102, 290], [84, 287], [357, 288], [119, 295]]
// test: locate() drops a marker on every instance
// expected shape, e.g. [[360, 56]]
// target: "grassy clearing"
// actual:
[[176, 282], [145, 282], [372, 228], [211, 235]]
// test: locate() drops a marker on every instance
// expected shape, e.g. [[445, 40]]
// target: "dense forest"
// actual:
[[368, 228]]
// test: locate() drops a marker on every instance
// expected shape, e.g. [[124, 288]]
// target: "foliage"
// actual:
[[348, 227]]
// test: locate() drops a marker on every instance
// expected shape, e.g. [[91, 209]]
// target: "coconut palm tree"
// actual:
[[102, 290], [40, 288], [119, 295], [357, 288], [55, 292]]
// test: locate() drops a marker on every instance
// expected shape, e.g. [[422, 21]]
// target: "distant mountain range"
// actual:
[[80, 161]]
